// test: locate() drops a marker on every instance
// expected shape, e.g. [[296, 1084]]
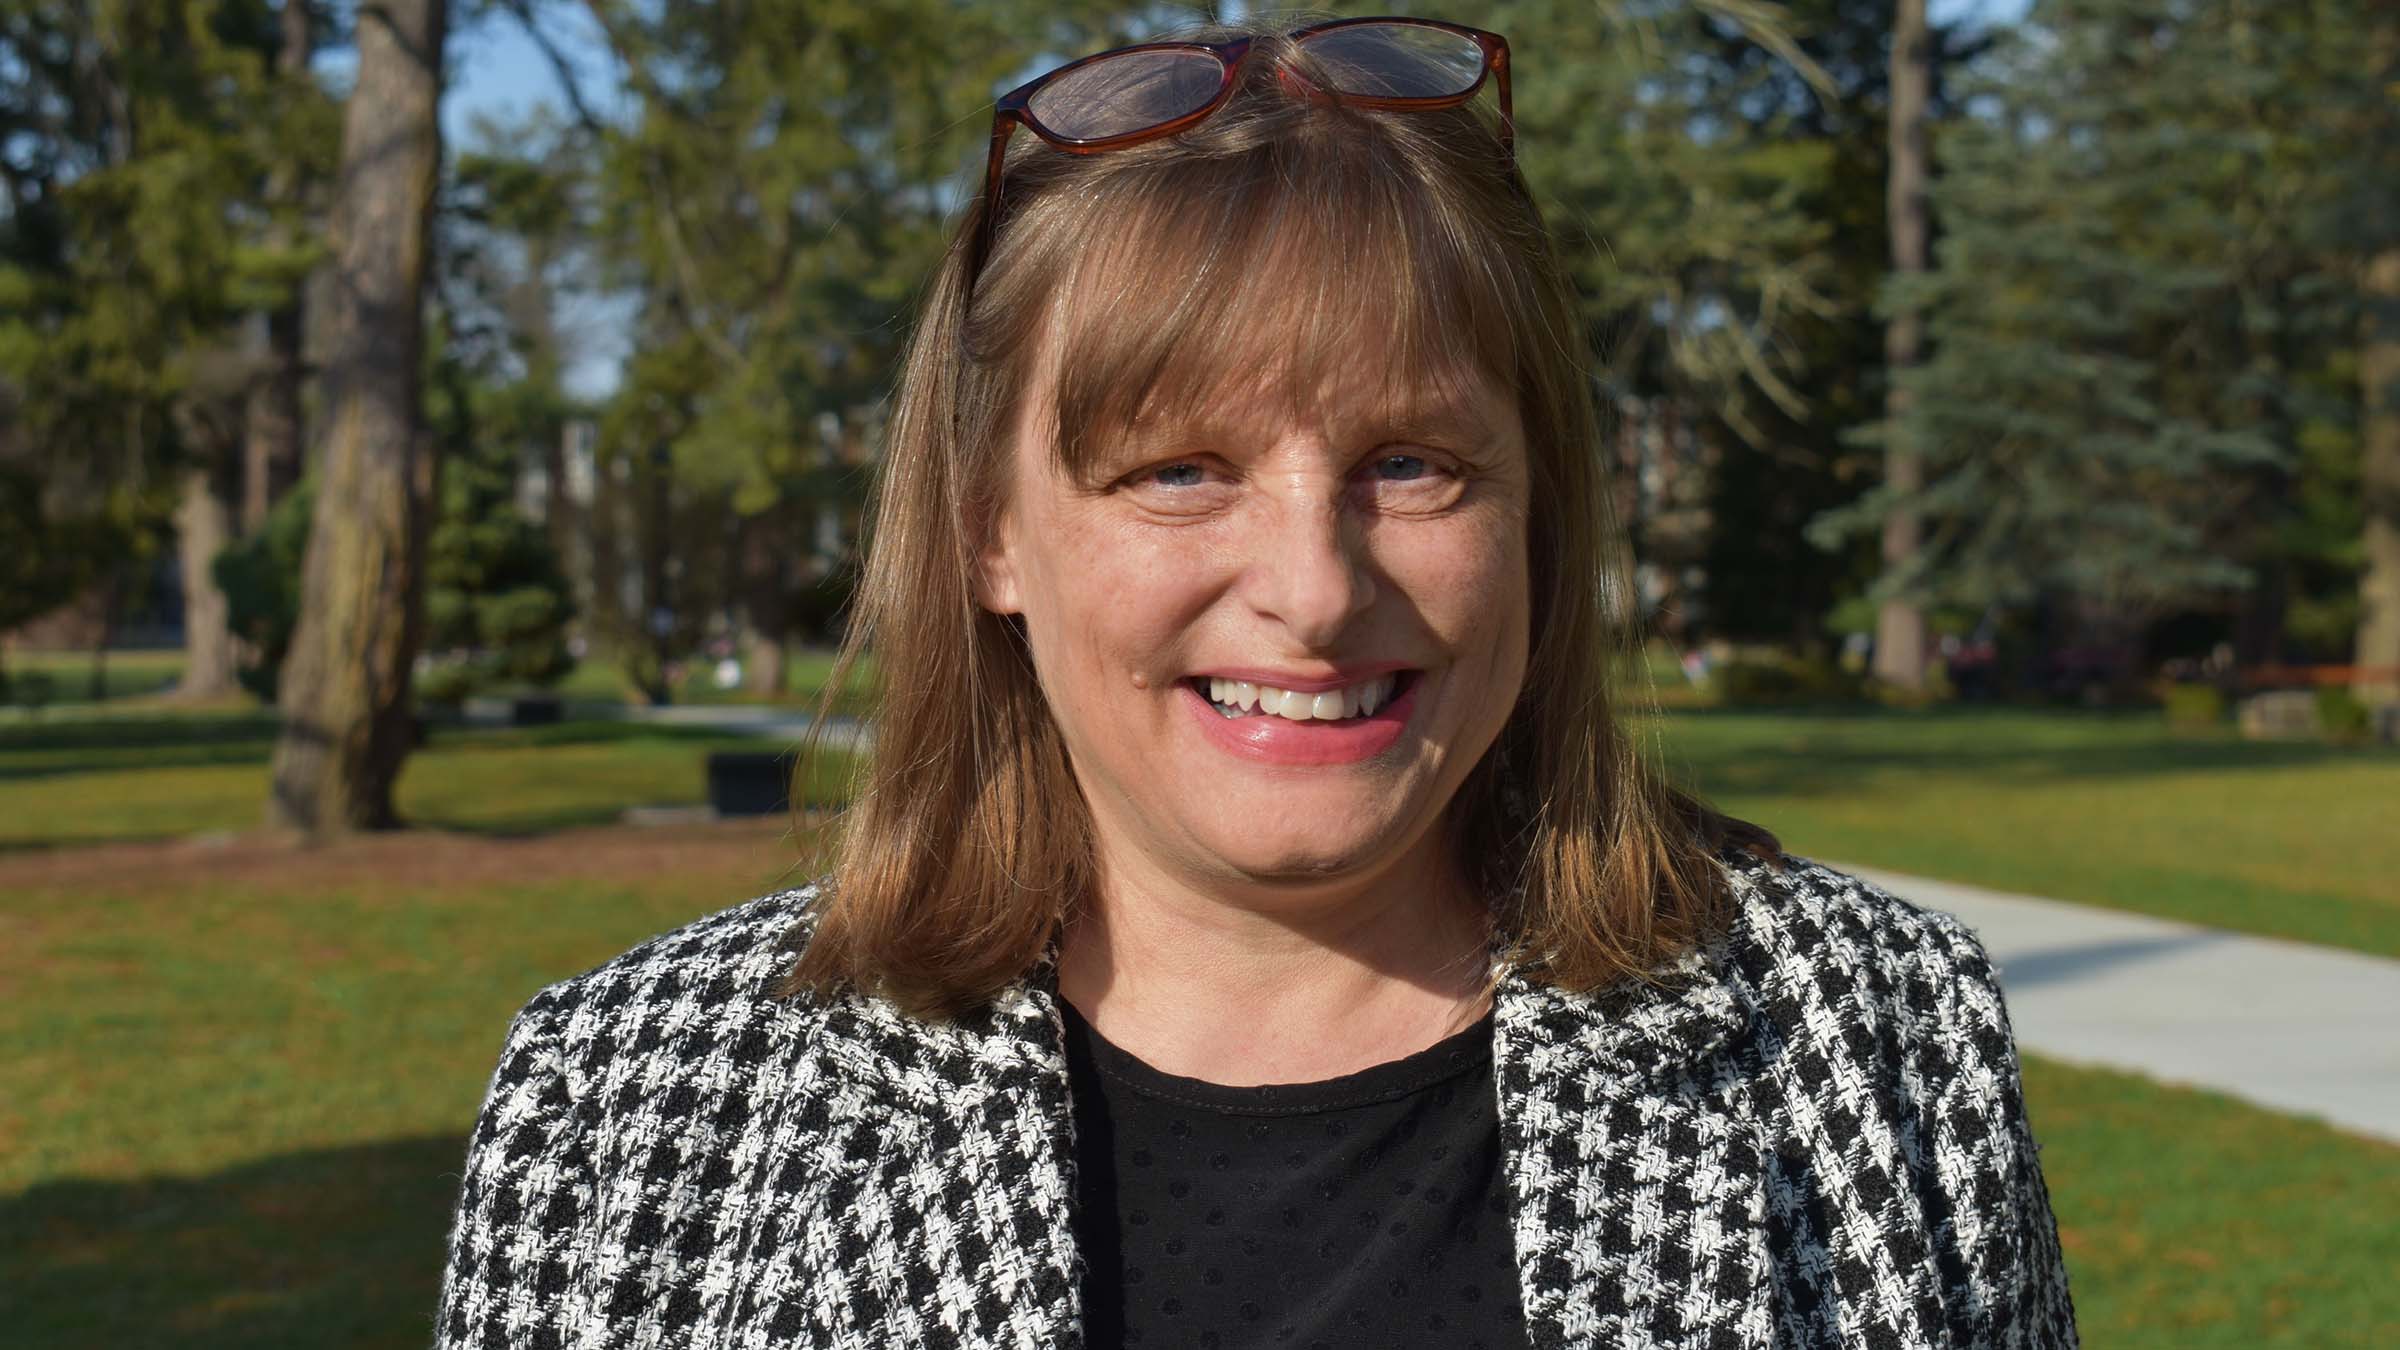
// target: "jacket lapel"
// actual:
[[1640, 1204], [919, 1189], [916, 1187]]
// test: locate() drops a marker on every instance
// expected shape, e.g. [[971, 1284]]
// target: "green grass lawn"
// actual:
[[239, 1079], [66, 677], [122, 780], [55, 677], [234, 1103], [2290, 840], [239, 1086]]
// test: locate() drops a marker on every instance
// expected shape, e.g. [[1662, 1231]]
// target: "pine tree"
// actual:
[[137, 136], [2095, 393], [496, 601], [2373, 220]]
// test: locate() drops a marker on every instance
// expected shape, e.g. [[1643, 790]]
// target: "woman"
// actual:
[[1255, 927]]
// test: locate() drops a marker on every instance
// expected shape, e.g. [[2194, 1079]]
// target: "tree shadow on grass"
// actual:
[[52, 748], [1806, 751], [333, 1247], [111, 733], [102, 745]]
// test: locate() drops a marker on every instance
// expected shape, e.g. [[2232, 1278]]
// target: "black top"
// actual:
[[1363, 1211]]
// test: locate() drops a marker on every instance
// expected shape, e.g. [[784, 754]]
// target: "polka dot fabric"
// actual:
[[1363, 1211]]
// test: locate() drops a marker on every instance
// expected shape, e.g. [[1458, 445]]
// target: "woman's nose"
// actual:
[[1309, 572]]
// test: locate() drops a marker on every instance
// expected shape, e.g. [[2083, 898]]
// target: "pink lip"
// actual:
[[1341, 677], [1275, 740]]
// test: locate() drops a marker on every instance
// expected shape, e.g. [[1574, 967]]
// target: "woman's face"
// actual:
[[1275, 645]]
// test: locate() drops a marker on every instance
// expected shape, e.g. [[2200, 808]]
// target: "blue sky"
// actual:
[[499, 72]]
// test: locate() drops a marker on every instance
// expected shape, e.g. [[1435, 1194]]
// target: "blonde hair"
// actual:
[[967, 843]]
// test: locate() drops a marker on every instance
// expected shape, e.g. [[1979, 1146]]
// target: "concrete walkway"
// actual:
[[2310, 1030], [766, 721]]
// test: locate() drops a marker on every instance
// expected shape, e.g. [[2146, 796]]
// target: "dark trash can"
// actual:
[[536, 710], [749, 782]]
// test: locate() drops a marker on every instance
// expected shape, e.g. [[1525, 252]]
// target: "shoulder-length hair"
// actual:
[[1158, 276]]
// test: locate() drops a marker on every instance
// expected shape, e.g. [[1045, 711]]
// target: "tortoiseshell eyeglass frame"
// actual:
[[1014, 108]]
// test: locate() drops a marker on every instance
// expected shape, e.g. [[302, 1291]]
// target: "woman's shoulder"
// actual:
[[1811, 907], [1827, 954], [714, 977]]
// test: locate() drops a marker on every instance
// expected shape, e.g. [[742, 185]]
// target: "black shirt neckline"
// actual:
[[1445, 1059]]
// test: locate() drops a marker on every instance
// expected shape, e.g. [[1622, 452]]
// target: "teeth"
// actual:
[[1357, 700]]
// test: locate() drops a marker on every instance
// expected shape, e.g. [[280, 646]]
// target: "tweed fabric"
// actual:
[[1807, 1133]]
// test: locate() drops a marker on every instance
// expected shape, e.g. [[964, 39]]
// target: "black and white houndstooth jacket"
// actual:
[[1811, 1135]]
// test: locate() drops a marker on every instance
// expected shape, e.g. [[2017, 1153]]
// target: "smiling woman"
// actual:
[[1256, 925]]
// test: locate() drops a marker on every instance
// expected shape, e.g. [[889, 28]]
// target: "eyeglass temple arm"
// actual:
[[1003, 127], [1497, 54]]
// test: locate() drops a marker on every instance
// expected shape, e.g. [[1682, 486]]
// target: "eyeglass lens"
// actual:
[[1134, 91], [1397, 60], [1119, 95]]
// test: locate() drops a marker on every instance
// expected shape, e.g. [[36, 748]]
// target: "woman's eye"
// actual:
[[1184, 474], [1402, 468]]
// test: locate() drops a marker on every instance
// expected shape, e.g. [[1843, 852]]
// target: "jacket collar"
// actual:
[[1639, 1187], [1639, 1199]]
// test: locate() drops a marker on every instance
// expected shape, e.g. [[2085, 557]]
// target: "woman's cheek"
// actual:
[[1467, 578]]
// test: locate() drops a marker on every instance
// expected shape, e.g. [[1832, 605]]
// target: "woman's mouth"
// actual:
[[1234, 699]]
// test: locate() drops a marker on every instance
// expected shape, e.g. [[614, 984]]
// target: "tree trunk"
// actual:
[[345, 686], [112, 588], [658, 608], [1900, 622], [2379, 474], [202, 526], [271, 413], [766, 571], [271, 419]]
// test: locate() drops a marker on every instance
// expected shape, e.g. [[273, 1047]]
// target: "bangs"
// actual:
[[1193, 293]]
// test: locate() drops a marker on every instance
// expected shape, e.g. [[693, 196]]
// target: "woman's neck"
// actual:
[[1277, 984]]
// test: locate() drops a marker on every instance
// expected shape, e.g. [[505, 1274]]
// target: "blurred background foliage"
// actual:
[[668, 290]]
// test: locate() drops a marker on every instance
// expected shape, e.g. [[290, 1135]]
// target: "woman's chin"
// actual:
[[1298, 856]]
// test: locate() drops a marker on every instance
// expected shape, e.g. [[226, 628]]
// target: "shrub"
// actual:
[[2194, 707], [2343, 719], [1774, 680], [260, 575]]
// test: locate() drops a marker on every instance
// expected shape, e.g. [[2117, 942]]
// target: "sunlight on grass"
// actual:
[[2190, 1219], [2287, 840]]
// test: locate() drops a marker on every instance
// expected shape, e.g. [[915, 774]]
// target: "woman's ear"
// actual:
[[998, 587]]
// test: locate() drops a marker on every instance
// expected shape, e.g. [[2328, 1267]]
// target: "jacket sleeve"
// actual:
[[2008, 1280], [524, 1202]]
